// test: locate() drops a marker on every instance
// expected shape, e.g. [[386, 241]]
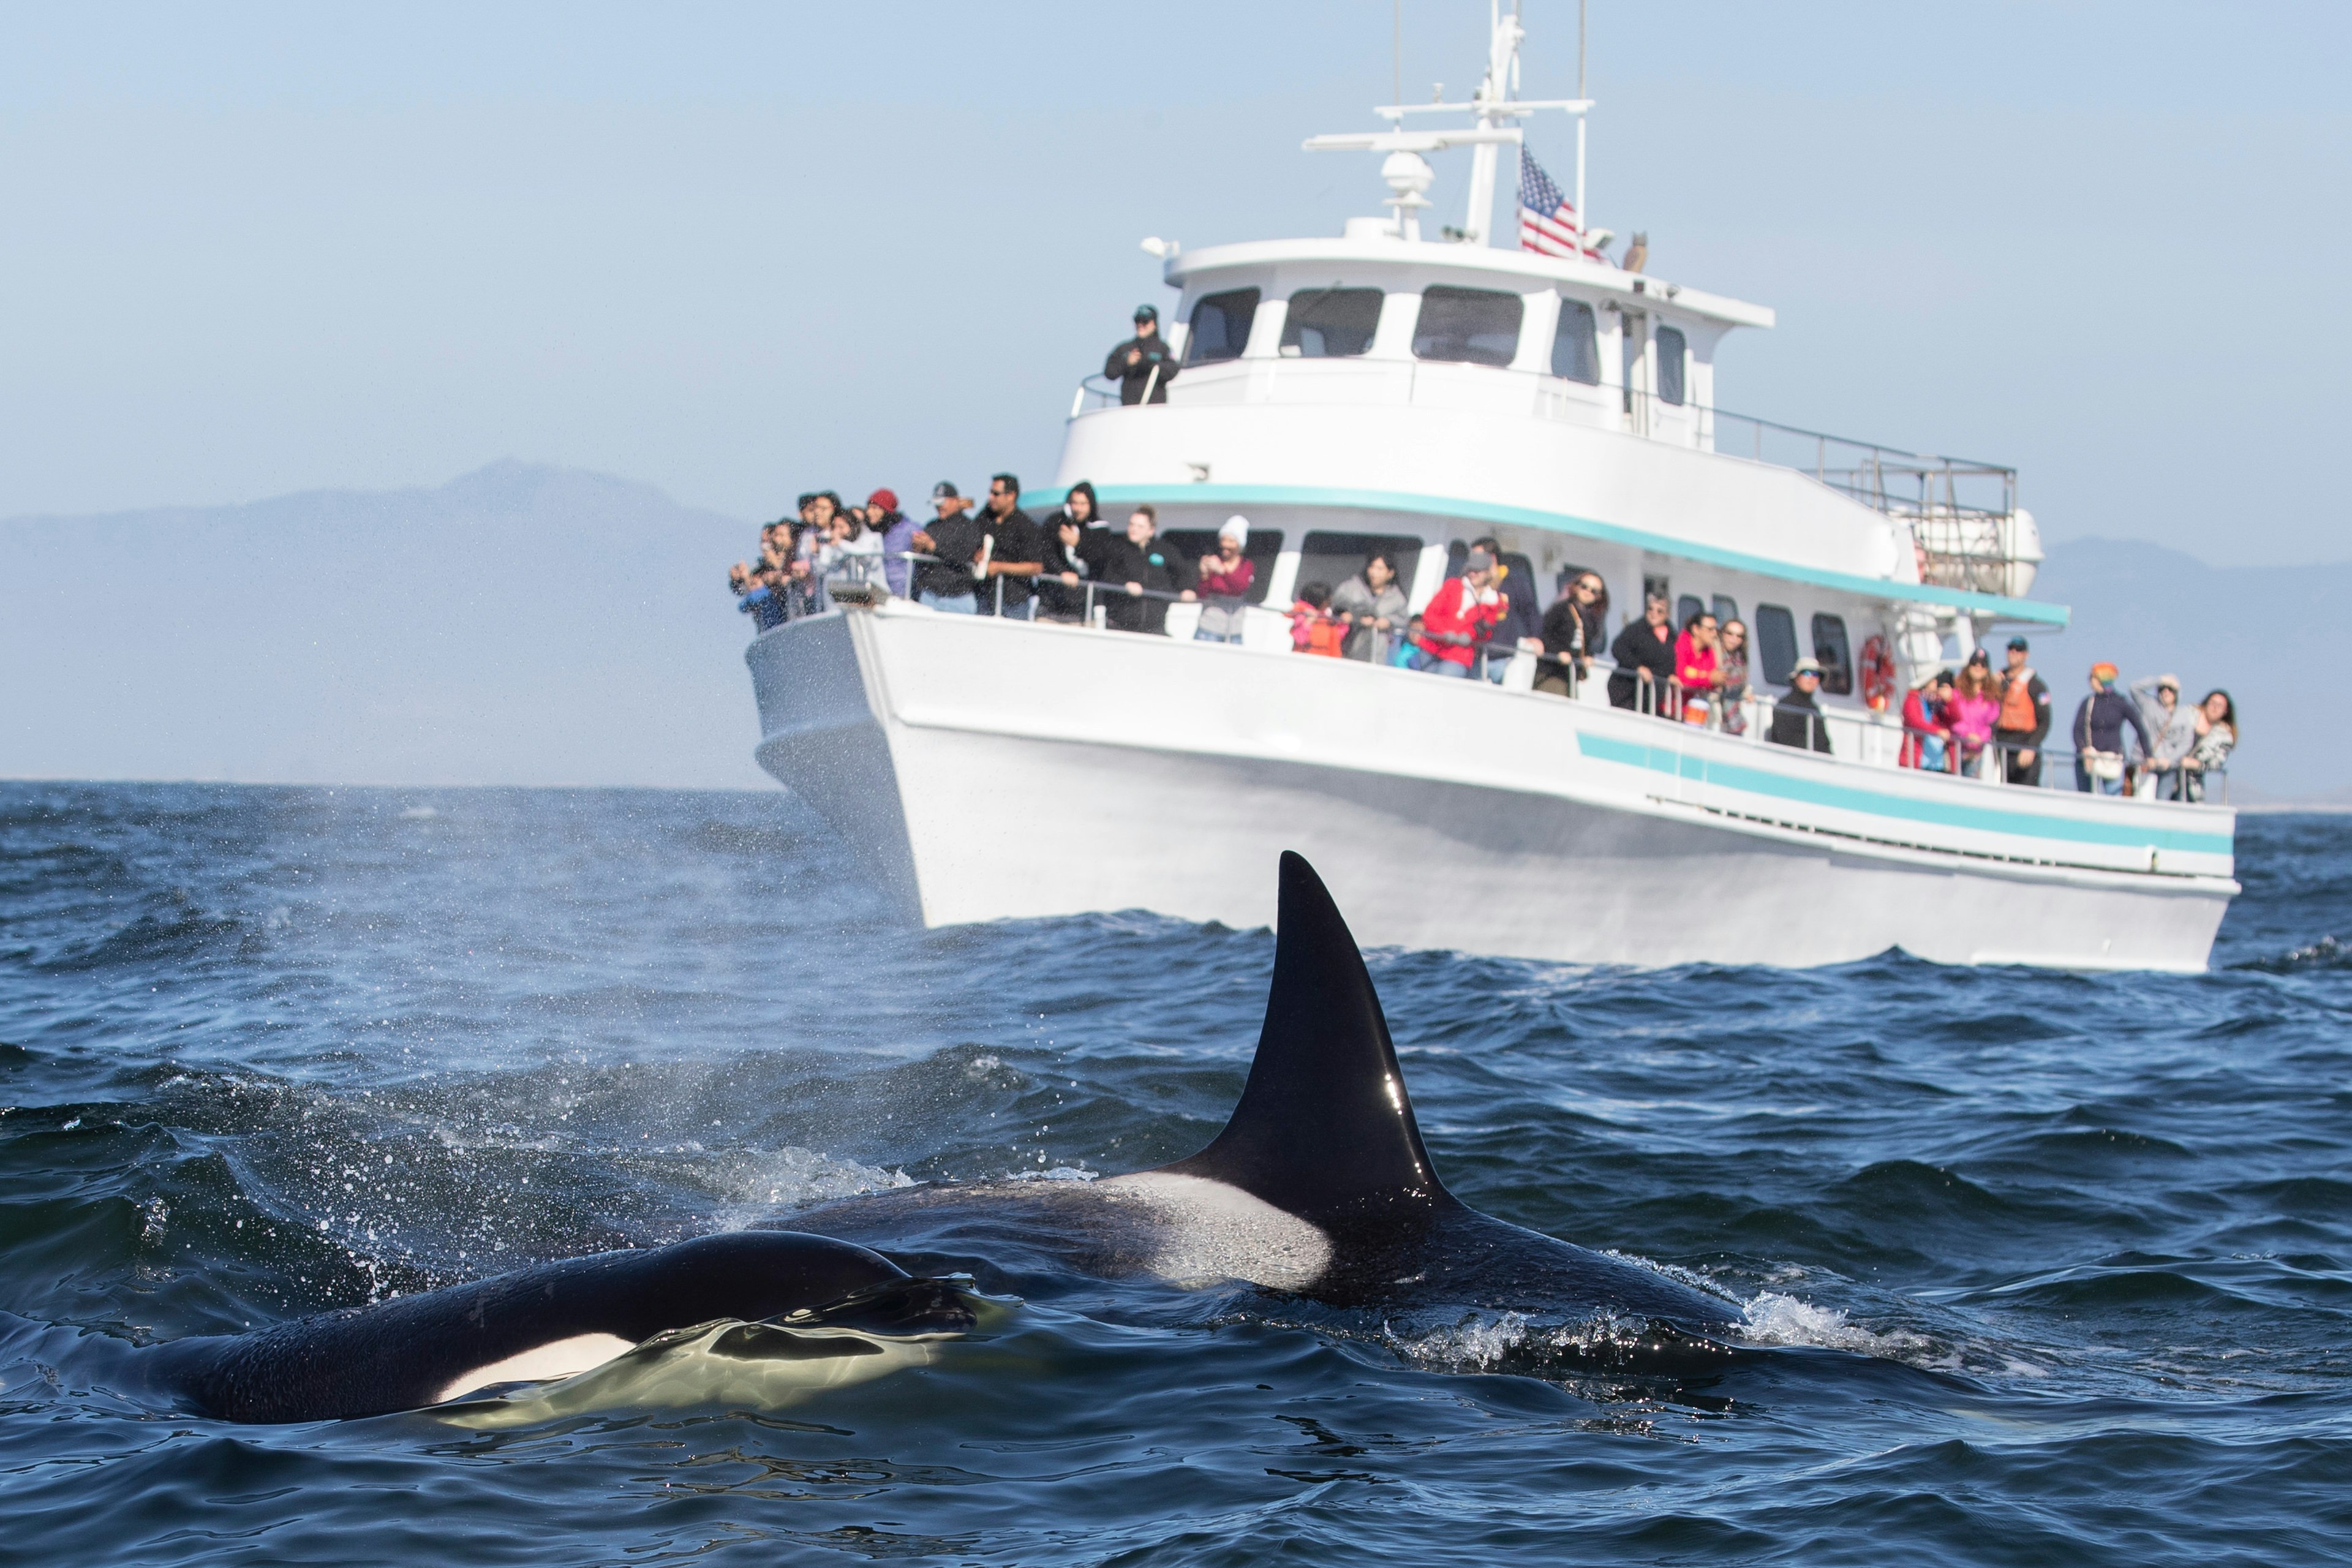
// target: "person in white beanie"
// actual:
[[1225, 579]]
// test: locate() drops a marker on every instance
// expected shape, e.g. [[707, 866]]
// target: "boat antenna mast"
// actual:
[[1495, 113]]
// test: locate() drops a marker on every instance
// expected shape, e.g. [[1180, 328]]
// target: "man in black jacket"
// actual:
[[1014, 556], [1797, 718], [1135, 560], [947, 583], [1142, 366], [1645, 652]]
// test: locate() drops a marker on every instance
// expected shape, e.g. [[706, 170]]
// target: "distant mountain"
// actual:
[[2254, 631], [519, 625]]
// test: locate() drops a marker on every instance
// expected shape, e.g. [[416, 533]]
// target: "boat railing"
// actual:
[[1094, 392], [1886, 741]]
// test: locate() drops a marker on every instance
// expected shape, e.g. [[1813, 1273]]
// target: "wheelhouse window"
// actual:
[[1221, 326], [1576, 344], [1333, 558], [1331, 323], [1468, 326], [1264, 543], [1776, 643], [1673, 351], [1830, 647], [1688, 608]]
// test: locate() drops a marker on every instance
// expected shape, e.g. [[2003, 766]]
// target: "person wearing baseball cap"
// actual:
[[955, 537], [2023, 723], [1142, 366], [1797, 718]]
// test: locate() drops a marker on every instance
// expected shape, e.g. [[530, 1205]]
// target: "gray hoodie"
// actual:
[[2175, 733]]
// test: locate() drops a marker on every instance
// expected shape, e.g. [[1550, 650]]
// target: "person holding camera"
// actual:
[[1144, 365]]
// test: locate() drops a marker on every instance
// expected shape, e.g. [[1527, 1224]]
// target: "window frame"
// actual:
[[1292, 345], [1837, 675], [1262, 551], [1446, 292], [1772, 624], [1192, 354], [1679, 377], [1578, 310]]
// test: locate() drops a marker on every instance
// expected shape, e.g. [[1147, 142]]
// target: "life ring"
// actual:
[[1877, 673]]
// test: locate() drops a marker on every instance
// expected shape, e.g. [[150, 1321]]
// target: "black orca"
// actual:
[[539, 1323], [1318, 1187]]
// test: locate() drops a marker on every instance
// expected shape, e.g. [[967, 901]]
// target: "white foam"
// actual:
[[1207, 1230], [1777, 1320]]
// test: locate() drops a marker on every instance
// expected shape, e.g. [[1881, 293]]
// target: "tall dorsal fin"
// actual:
[[1323, 1127]]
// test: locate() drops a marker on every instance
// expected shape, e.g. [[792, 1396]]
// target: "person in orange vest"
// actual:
[[2023, 723], [1313, 629]]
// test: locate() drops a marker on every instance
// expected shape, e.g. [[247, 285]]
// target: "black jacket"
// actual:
[[1638, 646], [1797, 721], [1017, 541], [1155, 566], [2100, 721], [1132, 378], [1563, 638], [955, 541], [1055, 597]]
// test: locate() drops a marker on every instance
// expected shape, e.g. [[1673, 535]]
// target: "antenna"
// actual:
[[1396, 55]]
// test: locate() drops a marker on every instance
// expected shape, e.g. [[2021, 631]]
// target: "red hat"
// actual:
[[887, 499]]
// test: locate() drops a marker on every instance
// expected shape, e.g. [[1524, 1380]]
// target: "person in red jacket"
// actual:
[[1457, 622]]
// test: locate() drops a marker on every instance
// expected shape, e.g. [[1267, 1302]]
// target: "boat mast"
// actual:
[[1409, 173]]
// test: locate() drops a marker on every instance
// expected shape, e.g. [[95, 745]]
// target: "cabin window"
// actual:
[[1221, 326], [1776, 643], [1687, 609], [1331, 323], [1830, 647], [1468, 326], [1671, 352], [1332, 558], [1264, 544], [1576, 344], [1726, 608]]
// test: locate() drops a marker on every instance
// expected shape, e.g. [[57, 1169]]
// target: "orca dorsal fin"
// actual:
[[1323, 1128]]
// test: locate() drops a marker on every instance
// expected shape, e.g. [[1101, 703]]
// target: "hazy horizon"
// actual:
[[741, 252]]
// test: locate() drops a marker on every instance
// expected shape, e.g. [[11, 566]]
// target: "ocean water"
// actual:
[[2050, 1268]]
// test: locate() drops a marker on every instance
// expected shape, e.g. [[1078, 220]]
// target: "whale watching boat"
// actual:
[[1398, 390]]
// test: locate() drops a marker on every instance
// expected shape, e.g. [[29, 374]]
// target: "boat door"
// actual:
[[1633, 375]]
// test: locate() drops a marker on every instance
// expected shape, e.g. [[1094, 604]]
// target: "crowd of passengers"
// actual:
[[992, 558]]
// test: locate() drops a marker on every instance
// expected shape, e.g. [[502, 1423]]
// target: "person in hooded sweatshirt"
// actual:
[[1076, 544], [2099, 729]]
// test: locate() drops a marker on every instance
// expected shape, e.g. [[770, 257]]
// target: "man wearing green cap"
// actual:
[[1142, 366]]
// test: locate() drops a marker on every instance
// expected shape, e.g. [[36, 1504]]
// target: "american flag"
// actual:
[[1546, 218]]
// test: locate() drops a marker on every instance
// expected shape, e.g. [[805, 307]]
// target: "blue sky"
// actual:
[[740, 251]]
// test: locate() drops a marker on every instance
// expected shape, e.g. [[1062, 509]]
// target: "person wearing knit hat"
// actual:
[[1225, 579], [897, 531]]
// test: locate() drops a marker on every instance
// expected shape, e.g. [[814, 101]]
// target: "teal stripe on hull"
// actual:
[[1562, 522], [1941, 814]]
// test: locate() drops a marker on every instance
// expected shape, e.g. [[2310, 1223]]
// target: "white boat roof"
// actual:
[[1367, 258]]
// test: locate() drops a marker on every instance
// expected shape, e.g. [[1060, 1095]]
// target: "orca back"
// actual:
[[1324, 1128]]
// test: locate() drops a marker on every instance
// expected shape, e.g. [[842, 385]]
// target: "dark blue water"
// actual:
[[2061, 1267]]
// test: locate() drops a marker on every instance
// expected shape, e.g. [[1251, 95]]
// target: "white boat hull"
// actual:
[[991, 771]]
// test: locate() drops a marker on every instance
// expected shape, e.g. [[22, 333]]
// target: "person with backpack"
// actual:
[[2024, 721]]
